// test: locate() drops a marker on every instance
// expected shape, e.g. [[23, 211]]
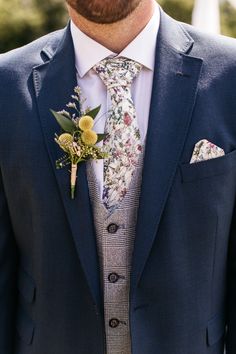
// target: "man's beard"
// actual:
[[104, 11]]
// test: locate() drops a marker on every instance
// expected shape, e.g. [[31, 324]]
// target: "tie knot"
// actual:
[[117, 72]]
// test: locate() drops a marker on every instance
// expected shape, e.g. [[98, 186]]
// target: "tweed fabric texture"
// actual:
[[115, 256]]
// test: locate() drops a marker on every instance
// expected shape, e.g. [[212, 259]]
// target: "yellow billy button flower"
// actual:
[[86, 123], [89, 137], [65, 140]]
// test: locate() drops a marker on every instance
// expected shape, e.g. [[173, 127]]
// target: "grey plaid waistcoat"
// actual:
[[115, 234]]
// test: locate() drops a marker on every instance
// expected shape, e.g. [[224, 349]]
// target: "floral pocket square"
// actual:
[[205, 150]]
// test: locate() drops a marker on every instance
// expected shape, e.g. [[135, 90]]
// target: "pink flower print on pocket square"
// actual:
[[205, 150]]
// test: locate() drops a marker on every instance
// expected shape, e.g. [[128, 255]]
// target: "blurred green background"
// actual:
[[21, 21]]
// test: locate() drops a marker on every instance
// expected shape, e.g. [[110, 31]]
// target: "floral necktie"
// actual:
[[123, 141]]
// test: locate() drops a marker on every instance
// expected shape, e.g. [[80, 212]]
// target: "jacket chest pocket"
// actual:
[[209, 168]]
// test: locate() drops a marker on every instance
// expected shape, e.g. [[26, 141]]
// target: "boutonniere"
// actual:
[[78, 139]]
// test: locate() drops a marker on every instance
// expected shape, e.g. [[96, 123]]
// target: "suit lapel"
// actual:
[[54, 83], [173, 97]]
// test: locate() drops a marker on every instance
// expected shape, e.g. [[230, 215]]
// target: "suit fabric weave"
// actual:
[[182, 284]]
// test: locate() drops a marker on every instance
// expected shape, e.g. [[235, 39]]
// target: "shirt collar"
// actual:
[[88, 52]]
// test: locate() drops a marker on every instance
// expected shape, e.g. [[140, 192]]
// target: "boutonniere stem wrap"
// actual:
[[78, 139]]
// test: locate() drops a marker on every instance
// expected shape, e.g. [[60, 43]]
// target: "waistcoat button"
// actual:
[[112, 228], [113, 277], [114, 322]]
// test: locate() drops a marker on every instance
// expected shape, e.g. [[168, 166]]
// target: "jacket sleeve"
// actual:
[[8, 263]]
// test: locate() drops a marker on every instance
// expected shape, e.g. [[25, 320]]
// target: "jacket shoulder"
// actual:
[[210, 46], [30, 55]]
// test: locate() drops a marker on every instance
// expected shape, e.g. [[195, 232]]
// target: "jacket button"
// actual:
[[114, 322], [112, 228], [113, 277]]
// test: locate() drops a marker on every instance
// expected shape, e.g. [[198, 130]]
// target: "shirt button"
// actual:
[[112, 228], [113, 277], [114, 323]]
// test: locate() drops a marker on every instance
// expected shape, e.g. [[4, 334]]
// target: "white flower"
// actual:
[[71, 105]]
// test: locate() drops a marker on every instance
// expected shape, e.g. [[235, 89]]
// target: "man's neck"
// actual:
[[116, 36]]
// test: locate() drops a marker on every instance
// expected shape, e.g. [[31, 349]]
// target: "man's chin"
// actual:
[[105, 20], [106, 15]]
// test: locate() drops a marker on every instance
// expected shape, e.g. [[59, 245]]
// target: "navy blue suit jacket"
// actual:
[[183, 282]]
